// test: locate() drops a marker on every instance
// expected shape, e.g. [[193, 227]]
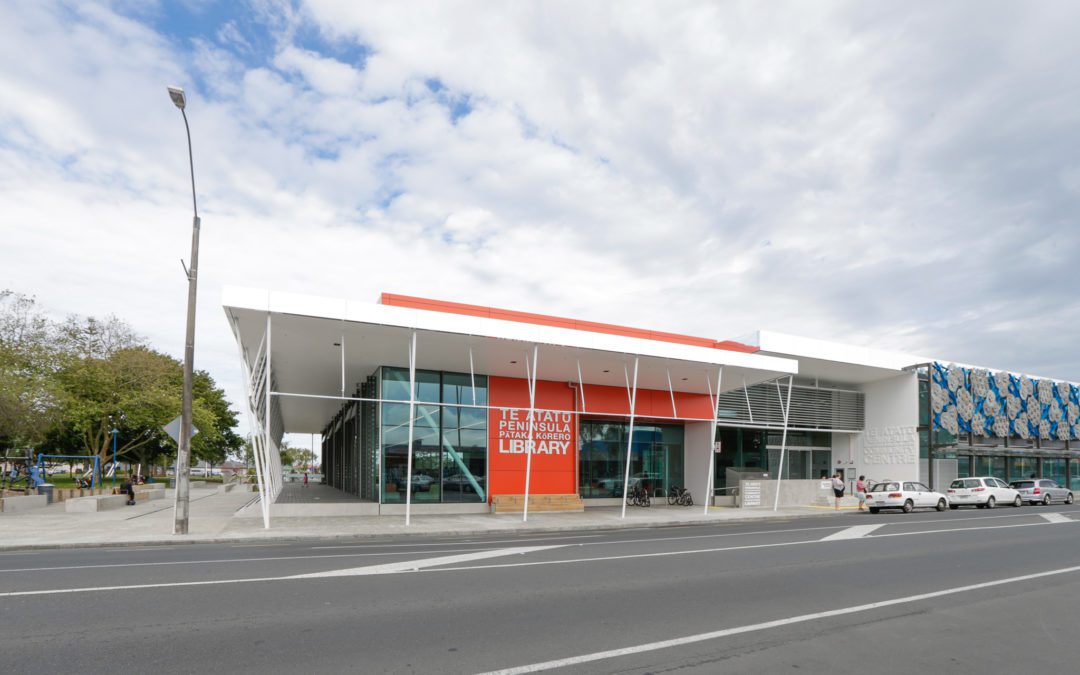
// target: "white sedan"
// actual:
[[984, 492], [904, 495]]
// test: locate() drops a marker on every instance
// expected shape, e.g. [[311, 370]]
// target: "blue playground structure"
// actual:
[[93, 473]]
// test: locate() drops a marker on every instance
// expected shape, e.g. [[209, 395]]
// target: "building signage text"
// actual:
[[889, 445], [552, 433]]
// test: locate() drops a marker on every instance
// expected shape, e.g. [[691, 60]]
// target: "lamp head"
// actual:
[[177, 96]]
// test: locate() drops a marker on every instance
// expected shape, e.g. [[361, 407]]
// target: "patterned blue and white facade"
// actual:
[[1002, 404]]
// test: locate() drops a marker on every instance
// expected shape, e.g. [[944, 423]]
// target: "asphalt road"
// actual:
[[954, 592]]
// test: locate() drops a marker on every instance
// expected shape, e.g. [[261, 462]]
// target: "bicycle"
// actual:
[[638, 497], [680, 496]]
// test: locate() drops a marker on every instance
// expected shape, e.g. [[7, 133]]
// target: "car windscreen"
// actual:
[[885, 487], [1022, 484]]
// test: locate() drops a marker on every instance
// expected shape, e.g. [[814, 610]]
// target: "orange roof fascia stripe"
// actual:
[[430, 305]]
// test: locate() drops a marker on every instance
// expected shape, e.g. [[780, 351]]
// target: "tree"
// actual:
[[27, 363]]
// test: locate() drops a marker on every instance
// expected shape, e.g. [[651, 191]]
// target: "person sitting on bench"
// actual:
[[127, 487]]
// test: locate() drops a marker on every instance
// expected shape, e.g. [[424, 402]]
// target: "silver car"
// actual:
[[1042, 491]]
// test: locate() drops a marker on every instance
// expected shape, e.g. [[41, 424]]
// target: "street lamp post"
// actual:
[[114, 432], [183, 456]]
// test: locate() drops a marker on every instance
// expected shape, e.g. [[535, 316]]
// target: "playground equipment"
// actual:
[[92, 476], [18, 476]]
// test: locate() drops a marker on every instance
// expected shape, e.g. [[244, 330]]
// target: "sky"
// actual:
[[890, 174]]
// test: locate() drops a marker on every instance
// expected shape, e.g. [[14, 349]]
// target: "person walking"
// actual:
[[860, 492], [838, 488], [305, 479]]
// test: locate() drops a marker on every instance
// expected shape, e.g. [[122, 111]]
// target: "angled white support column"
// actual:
[[472, 376], [631, 392], [671, 390], [529, 443], [412, 414], [581, 385], [266, 431], [712, 438], [749, 410], [783, 438]]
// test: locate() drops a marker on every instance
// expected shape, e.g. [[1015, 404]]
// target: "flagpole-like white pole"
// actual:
[[712, 440], [632, 395], [783, 438], [412, 413], [532, 417]]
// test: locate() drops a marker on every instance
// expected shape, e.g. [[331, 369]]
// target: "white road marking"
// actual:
[[410, 565], [855, 532], [227, 560], [803, 618], [1057, 518]]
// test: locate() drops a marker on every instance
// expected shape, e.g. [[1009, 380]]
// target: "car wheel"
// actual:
[[874, 509], [941, 505], [1046, 500], [991, 503], [1069, 498], [1018, 502], [909, 506]]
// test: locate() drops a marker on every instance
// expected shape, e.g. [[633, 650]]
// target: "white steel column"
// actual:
[[671, 390], [472, 376], [581, 385], [783, 438], [632, 395], [265, 495], [412, 413], [532, 425], [749, 410], [712, 438]]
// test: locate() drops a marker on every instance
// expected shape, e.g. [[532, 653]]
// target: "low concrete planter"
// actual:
[[95, 503], [12, 504]]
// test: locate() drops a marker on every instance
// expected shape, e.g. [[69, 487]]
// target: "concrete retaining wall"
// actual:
[[12, 504], [762, 493], [95, 503]]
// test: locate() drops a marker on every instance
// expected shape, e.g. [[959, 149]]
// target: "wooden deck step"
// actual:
[[537, 503]]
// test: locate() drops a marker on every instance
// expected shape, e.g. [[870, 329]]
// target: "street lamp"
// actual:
[[183, 455], [114, 432]]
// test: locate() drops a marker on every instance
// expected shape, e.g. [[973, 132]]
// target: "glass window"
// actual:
[[921, 488], [1054, 469], [990, 466], [910, 487], [656, 458], [1074, 474], [885, 487], [449, 452], [1023, 467]]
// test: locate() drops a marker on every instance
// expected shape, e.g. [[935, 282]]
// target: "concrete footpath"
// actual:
[[213, 520]]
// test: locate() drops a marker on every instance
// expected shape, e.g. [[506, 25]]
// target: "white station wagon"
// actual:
[[984, 492], [904, 495]]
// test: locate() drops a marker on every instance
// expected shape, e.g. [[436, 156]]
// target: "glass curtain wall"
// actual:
[[1021, 467], [1074, 474], [990, 466], [1054, 469], [656, 458], [739, 449], [449, 442]]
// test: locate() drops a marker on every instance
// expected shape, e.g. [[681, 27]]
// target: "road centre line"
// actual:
[[414, 565], [227, 560], [718, 550], [419, 565], [766, 625], [390, 568], [479, 542]]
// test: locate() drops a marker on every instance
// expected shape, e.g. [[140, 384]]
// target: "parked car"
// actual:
[[1042, 491], [984, 492], [904, 495]]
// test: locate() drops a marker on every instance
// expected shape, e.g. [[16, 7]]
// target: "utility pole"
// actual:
[[183, 456]]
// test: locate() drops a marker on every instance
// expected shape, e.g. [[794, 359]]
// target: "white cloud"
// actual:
[[893, 175]]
